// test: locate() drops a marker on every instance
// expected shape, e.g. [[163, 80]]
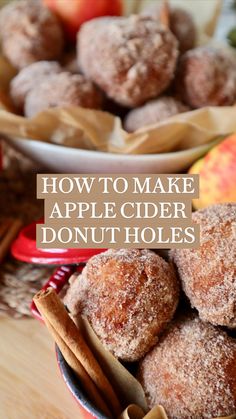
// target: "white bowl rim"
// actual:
[[117, 156]]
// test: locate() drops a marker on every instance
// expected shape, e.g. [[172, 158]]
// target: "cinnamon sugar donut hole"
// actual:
[[208, 274], [152, 112], [191, 372], [128, 296], [206, 77], [29, 32], [132, 59], [62, 90], [181, 25], [29, 77]]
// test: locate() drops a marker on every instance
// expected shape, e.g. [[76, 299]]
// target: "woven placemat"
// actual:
[[18, 284], [19, 281]]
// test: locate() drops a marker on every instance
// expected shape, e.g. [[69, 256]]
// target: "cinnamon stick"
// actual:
[[4, 225], [57, 318], [9, 235], [76, 366]]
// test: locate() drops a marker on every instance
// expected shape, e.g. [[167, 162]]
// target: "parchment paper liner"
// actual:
[[129, 390], [134, 412], [97, 130]]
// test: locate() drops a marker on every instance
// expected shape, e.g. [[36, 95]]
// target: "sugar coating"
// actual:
[[30, 32], [191, 371], [206, 77], [29, 77], [183, 27], [132, 59], [128, 296], [180, 22], [208, 274], [63, 89], [154, 111]]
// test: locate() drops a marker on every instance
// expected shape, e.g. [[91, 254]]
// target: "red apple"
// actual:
[[73, 13]]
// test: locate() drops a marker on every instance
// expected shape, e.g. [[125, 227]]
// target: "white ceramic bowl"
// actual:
[[61, 159]]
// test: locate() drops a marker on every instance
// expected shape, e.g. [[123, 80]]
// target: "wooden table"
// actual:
[[30, 383]]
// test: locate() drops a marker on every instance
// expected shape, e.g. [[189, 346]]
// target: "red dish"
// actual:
[[24, 249]]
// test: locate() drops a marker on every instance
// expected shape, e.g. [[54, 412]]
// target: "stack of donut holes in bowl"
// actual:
[[136, 302], [142, 68], [173, 318]]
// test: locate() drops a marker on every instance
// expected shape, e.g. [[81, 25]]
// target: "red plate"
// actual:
[[24, 249]]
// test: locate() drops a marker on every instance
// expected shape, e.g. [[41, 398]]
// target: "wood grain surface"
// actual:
[[30, 383]]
